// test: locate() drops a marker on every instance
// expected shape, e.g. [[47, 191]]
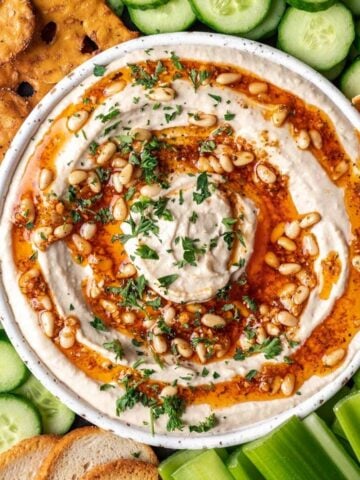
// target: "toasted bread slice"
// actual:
[[85, 448], [123, 470], [22, 462]]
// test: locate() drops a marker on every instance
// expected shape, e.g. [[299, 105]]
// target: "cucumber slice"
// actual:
[[334, 72], [231, 16], [326, 411], [354, 6], [291, 452], [347, 411], [174, 16], [56, 417], [206, 466], [269, 25], [241, 468], [18, 420], [168, 466], [321, 39], [322, 433], [144, 4], [311, 5], [117, 6], [13, 371], [350, 80]]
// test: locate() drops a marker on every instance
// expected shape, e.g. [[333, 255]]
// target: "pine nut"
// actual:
[[245, 342], [287, 319], [27, 209], [27, 277], [45, 301], [276, 384], [150, 190], [264, 386], [203, 120], [88, 230], [301, 294], [168, 314], [115, 87], [333, 358], [159, 344], [82, 246], [310, 219], [264, 309], [77, 120], [213, 321], [260, 335], [77, 176], [303, 140], [228, 78], [47, 320], [116, 182], [306, 278], [126, 270], [272, 260], [356, 262], [118, 162], [183, 347], [310, 246], [45, 178], [126, 174], [63, 231], [128, 318], [265, 174], [280, 115], [340, 169], [214, 164], [203, 164], [94, 182], [92, 290], [140, 134], [148, 323], [162, 94], [277, 232], [316, 139], [201, 352], [66, 337], [289, 268], [292, 229], [226, 163], [272, 330], [258, 87], [41, 235], [243, 158], [288, 384], [356, 102], [120, 210], [287, 244], [108, 306], [168, 391], [105, 152]]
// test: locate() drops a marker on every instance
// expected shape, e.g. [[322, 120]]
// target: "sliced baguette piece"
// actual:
[[85, 448], [23, 461], [123, 470]]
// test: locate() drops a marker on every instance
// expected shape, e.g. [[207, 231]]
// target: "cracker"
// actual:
[[17, 22], [13, 111]]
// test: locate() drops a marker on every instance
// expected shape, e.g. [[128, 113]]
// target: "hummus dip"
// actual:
[[181, 240]]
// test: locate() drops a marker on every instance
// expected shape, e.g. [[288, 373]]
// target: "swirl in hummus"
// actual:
[[182, 237]]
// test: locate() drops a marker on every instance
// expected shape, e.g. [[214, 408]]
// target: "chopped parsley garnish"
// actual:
[[106, 386], [130, 193], [169, 117], [204, 426], [198, 77], [229, 222], [271, 347], [204, 372], [193, 217], [166, 281], [112, 113], [239, 354], [173, 407], [202, 188], [142, 77], [98, 324], [116, 347], [229, 116], [144, 251], [104, 216], [176, 61], [288, 360], [132, 292], [191, 251], [217, 98], [223, 293], [250, 303], [99, 70], [181, 197], [251, 374], [207, 146], [93, 147]]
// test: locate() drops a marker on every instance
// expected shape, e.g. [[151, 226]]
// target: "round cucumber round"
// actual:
[[320, 39], [117, 6], [311, 5], [350, 80], [19, 420], [144, 4], [228, 16], [174, 16], [13, 371], [335, 71], [354, 6], [56, 417], [269, 25]]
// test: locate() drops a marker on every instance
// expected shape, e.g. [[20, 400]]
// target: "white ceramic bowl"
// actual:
[[7, 170]]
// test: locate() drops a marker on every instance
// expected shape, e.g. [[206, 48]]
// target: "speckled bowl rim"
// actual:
[[29, 128]]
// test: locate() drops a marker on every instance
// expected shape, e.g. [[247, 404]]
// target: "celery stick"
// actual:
[[347, 411], [337, 429], [206, 466], [241, 468], [168, 466], [326, 411], [223, 453], [322, 433], [290, 452]]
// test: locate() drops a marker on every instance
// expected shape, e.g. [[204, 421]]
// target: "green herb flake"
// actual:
[[204, 426], [98, 324], [99, 70]]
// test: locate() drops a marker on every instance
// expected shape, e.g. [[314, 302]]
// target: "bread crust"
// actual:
[[123, 470]]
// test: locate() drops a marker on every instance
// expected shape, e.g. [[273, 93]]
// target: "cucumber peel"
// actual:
[[13, 372], [350, 80], [270, 23], [144, 4], [311, 5]]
